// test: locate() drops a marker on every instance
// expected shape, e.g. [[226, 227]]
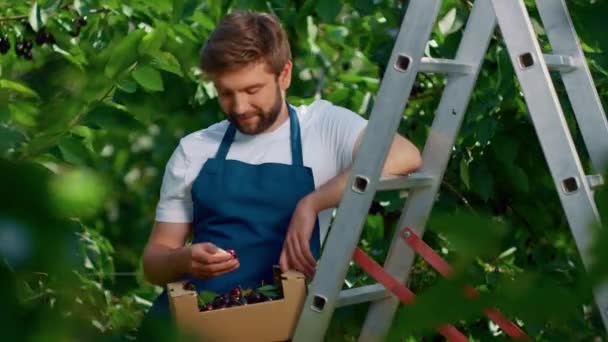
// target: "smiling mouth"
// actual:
[[246, 118]]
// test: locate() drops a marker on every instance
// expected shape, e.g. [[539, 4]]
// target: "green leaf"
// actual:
[[127, 85], [482, 181], [519, 179], [153, 40], [178, 10], [505, 148], [112, 118], [10, 140], [17, 87], [271, 291], [79, 62], [149, 78], [24, 113], [450, 22], [167, 62], [78, 193], [364, 7], [464, 173], [73, 151], [124, 54], [328, 10], [82, 7], [36, 18], [206, 297]]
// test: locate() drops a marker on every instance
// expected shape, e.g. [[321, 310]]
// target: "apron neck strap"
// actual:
[[295, 139]]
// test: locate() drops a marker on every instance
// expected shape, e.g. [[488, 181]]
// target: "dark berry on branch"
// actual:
[[5, 45]]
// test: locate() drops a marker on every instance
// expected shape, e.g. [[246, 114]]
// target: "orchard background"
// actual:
[[94, 96]]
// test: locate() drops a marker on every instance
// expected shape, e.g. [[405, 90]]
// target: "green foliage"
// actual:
[[87, 125]]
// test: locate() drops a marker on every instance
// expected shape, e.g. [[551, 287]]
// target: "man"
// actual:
[[257, 182]]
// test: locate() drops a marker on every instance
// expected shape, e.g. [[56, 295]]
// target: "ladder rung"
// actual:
[[444, 66], [560, 63], [595, 181], [413, 180], [362, 294]]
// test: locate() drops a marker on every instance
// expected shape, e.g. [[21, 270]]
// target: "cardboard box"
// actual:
[[266, 321]]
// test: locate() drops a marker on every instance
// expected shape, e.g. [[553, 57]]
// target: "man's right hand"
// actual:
[[208, 261]]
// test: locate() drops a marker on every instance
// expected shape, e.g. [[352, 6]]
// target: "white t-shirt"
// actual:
[[328, 136]]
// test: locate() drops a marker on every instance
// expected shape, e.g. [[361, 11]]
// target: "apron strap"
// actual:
[[295, 139], [226, 142]]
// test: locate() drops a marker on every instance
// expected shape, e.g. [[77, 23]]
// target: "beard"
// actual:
[[265, 118]]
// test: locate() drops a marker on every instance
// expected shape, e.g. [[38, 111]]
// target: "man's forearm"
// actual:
[[329, 194], [402, 159], [163, 265]]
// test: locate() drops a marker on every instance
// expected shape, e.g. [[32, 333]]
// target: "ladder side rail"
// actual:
[[579, 84], [478, 32], [548, 118], [386, 114]]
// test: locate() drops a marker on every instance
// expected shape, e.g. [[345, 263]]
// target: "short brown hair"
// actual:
[[245, 37]]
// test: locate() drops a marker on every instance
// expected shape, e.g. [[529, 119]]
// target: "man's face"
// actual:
[[251, 97]]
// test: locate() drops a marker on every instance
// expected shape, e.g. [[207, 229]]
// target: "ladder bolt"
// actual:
[[406, 233], [403, 63], [526, 60]]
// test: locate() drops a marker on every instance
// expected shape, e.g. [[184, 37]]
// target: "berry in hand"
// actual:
[[232, 252]]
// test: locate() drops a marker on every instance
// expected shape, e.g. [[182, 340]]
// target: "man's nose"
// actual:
[[240, 105]]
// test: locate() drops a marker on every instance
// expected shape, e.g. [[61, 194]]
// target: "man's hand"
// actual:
[[296, 249], [208, 261]]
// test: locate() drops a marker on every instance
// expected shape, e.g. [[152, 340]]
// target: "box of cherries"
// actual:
[[266, 313]]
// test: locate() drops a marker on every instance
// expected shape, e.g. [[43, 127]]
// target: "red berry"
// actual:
[[232, 252], [235, 292]]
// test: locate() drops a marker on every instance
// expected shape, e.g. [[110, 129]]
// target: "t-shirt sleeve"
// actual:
[[175, 203], [343, 127]]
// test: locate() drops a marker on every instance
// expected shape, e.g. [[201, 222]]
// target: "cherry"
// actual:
[[44, 37], [23, 49], [81, 21], [255, 297], [235, 300], [5, 44], [235, 292], [232, 252], [221, 300]]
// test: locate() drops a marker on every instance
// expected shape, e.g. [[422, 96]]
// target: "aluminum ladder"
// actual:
[[575, 188]]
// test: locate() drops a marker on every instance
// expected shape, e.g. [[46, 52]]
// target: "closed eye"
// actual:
[[252, 90]]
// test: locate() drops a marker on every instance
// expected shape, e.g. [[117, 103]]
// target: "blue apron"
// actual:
[[247, 208]]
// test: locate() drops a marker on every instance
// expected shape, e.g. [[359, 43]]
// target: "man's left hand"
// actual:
[[296, 249]]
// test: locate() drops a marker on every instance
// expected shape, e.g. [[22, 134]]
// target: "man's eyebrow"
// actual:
[[256, 85], [249, 87]]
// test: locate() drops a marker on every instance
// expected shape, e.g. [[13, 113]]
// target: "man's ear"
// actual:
[[285, 76]]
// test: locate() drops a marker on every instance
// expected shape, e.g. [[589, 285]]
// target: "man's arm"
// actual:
[[166, 258], [403, 158]]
